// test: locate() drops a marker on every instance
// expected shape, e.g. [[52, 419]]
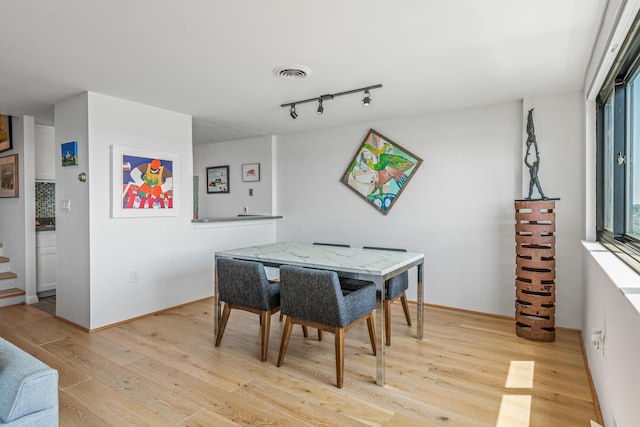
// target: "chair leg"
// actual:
[[286, 334], [340, 356], [319, 334], [305, 331], [405, 307], [265, 321], [223, 323], [372, 332], [281, 316], [387, 321]]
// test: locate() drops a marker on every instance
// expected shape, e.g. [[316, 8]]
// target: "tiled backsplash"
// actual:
[[45, 199]]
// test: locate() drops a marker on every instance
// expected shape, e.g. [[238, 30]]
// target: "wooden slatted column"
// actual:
[[535, 270]]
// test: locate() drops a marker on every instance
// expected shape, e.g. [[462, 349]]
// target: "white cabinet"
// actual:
[[45, 153], [45, 261]]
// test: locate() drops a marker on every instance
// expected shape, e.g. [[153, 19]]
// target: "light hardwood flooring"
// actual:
[[164, 370]]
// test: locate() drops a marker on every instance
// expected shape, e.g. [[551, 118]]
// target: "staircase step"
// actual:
[[3, 259], [11, 292], [12, 296], [7, 275]]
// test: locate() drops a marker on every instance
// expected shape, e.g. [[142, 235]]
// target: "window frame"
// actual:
[[627, 64]]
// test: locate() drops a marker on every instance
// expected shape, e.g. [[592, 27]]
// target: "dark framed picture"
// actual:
[[5, 133], [218, 179], [9, 176]]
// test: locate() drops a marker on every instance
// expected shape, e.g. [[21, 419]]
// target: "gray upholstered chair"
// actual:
[[314, 298], [243, 285], [396, 287], [341, 275]]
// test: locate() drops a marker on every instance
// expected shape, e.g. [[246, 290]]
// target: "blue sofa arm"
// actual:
[[28, 389]]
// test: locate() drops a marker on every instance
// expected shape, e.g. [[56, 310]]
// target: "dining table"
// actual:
[[373, 265]]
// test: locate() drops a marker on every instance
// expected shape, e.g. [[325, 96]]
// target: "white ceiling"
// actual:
[[213, 59]]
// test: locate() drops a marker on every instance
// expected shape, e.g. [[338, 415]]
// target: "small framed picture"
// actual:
[[5, 133], [251, 172], [218, 179], [69, 152], [9, 176]]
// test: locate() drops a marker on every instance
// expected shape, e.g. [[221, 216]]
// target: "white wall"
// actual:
[[73, 257], [613, 367], [457, 210], [153, 247], [235, 154], [17, 215], [28, 204], [96, 253], [559, 126]]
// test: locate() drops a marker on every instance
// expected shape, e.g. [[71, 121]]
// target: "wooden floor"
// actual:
[[470, 370]]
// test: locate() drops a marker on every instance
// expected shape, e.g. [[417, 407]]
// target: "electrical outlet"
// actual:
[[133, 277], [251, 191]]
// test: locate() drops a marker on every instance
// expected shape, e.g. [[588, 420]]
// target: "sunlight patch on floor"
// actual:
[[515, 411], [520, 374]]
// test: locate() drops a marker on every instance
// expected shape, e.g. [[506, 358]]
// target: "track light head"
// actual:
[[320, 109], [366, 101], [292, 111]]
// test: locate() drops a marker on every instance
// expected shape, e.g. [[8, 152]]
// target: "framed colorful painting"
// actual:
[[5, 133], [380, 171], [145, 183], [218, 180], [9, 176]]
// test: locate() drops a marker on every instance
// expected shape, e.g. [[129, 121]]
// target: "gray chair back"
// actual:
[[245, 283], [315, 295], [397, 284]]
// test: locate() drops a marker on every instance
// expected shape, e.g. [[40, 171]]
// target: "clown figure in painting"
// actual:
[[150, 183]]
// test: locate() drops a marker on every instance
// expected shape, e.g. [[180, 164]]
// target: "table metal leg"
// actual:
[[380, 331], [216, 300], [420, 299]]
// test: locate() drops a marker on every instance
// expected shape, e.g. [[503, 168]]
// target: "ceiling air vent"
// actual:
[[290, 72]]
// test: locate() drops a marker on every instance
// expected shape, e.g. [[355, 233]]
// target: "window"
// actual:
[[618, 122]]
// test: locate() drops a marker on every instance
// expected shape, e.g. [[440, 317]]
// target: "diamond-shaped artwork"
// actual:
[[380, 170]]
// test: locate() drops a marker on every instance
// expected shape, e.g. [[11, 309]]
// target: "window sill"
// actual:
[[626, 279]]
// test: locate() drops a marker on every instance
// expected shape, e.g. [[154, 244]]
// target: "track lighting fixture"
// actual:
[[366, 100]]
